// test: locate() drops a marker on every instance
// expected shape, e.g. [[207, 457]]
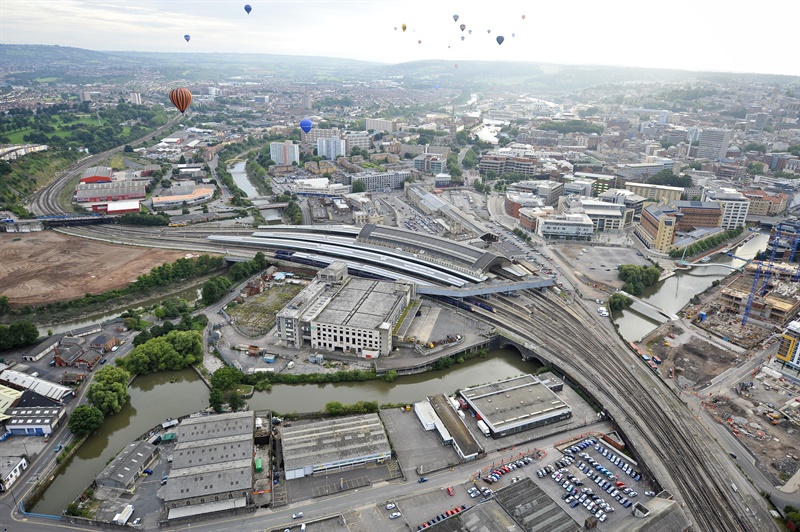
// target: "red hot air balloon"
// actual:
[[181, 98]]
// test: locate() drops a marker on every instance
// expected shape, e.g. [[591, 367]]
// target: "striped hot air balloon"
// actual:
[[181, 98]]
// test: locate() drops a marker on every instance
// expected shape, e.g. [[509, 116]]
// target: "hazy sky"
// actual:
[[720, 35]]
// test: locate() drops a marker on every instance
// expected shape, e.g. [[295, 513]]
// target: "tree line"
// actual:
[[706, 244], [18, 334]]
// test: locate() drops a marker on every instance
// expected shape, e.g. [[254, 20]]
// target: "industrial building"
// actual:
[[516, 405], [212, 468], [122, 471], [97, 174], [23, 381], [30, 414], [333, 444], [177, 200], [339, 312]]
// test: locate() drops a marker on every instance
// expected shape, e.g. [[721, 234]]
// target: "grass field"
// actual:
[[17, 136]]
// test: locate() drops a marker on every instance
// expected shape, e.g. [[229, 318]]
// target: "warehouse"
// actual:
[[212, 467], [123, 470], [516, 405], [332, 444]]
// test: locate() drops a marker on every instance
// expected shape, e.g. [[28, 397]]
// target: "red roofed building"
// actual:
[[97, 174]]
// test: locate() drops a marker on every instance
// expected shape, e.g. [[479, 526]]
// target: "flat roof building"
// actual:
[[339, 312], [32, 414], [212, 450], [23, 381], [215, 426], [127, 465], [655, 193], [333, 444], [198, 195], [516, 405]]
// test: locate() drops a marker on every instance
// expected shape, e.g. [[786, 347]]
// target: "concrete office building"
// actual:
[[714, 143], [284, 153], [379, 182], [331, 148], [657, 227], [734, 206], [629, 199], [339, 312], [379, 124], [656, 193], [332, 444], [125, 468], [516, 405], [357, 139], [569, 226]]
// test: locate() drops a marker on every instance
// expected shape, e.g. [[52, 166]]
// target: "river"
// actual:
[[672, 294], [154, 398], [239, 176]]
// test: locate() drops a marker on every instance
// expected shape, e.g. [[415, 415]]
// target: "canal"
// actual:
[[239, 176], [190, 294], [674, 293], [155, 398]]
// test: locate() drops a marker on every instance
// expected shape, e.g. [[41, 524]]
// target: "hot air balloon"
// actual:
[[513, 34], [180, 98], [248, 8], [462, 37], [500, 39], [455, 66], [404, 27], [187, 37], [455, 17], [306, 125], [463, 27], [395, 28], [436, 87], [419, 42], [488, 31], [469, 31], [523, 17]]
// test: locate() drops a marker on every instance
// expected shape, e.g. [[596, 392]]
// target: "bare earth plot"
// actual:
[[46, 266]]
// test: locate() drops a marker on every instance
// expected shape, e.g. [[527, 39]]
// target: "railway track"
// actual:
[[45, 201], [664, 424], [592, 356]]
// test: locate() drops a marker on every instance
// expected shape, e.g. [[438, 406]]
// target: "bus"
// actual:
[[656, 360]]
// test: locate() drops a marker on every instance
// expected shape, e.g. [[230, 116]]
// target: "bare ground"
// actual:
[[46, 266]]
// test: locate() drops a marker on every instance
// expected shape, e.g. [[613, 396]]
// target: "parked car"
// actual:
[[148, 471], [390, 506], [394, 515]]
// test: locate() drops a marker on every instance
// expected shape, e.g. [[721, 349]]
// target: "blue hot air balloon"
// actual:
[[187, 37], [248, 8], [306, 125], [436, 86], [500, 39]]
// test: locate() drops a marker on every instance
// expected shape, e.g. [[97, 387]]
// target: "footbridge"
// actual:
[[485, 288], [646, 309], [683, 263]]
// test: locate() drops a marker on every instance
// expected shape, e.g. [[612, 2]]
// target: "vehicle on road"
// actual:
[[298, 515], [59, 447], [423, 479], [137, 521], [732, 456], [148, 471]]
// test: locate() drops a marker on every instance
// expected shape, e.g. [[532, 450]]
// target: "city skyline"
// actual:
[[694, 36]]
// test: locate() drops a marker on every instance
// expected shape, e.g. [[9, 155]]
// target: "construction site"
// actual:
[[764, 413]]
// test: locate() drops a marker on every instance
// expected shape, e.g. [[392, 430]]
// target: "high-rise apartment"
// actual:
[[284, 153]]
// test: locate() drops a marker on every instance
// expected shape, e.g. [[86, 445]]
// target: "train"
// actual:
[[652, 366], [480, 304]]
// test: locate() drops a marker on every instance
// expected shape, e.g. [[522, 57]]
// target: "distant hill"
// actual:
[[24, 63]]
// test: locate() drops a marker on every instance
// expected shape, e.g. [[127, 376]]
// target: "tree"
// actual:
[[226, 378], [235, 401], [128, 148], [84, 420], [216, 400], [182, 160], [619, 302], [109, 392], [359, 186]]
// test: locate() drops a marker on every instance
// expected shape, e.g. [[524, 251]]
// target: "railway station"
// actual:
[[516, 405]]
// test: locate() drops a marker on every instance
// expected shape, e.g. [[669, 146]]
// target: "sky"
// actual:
[[715, 35]]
